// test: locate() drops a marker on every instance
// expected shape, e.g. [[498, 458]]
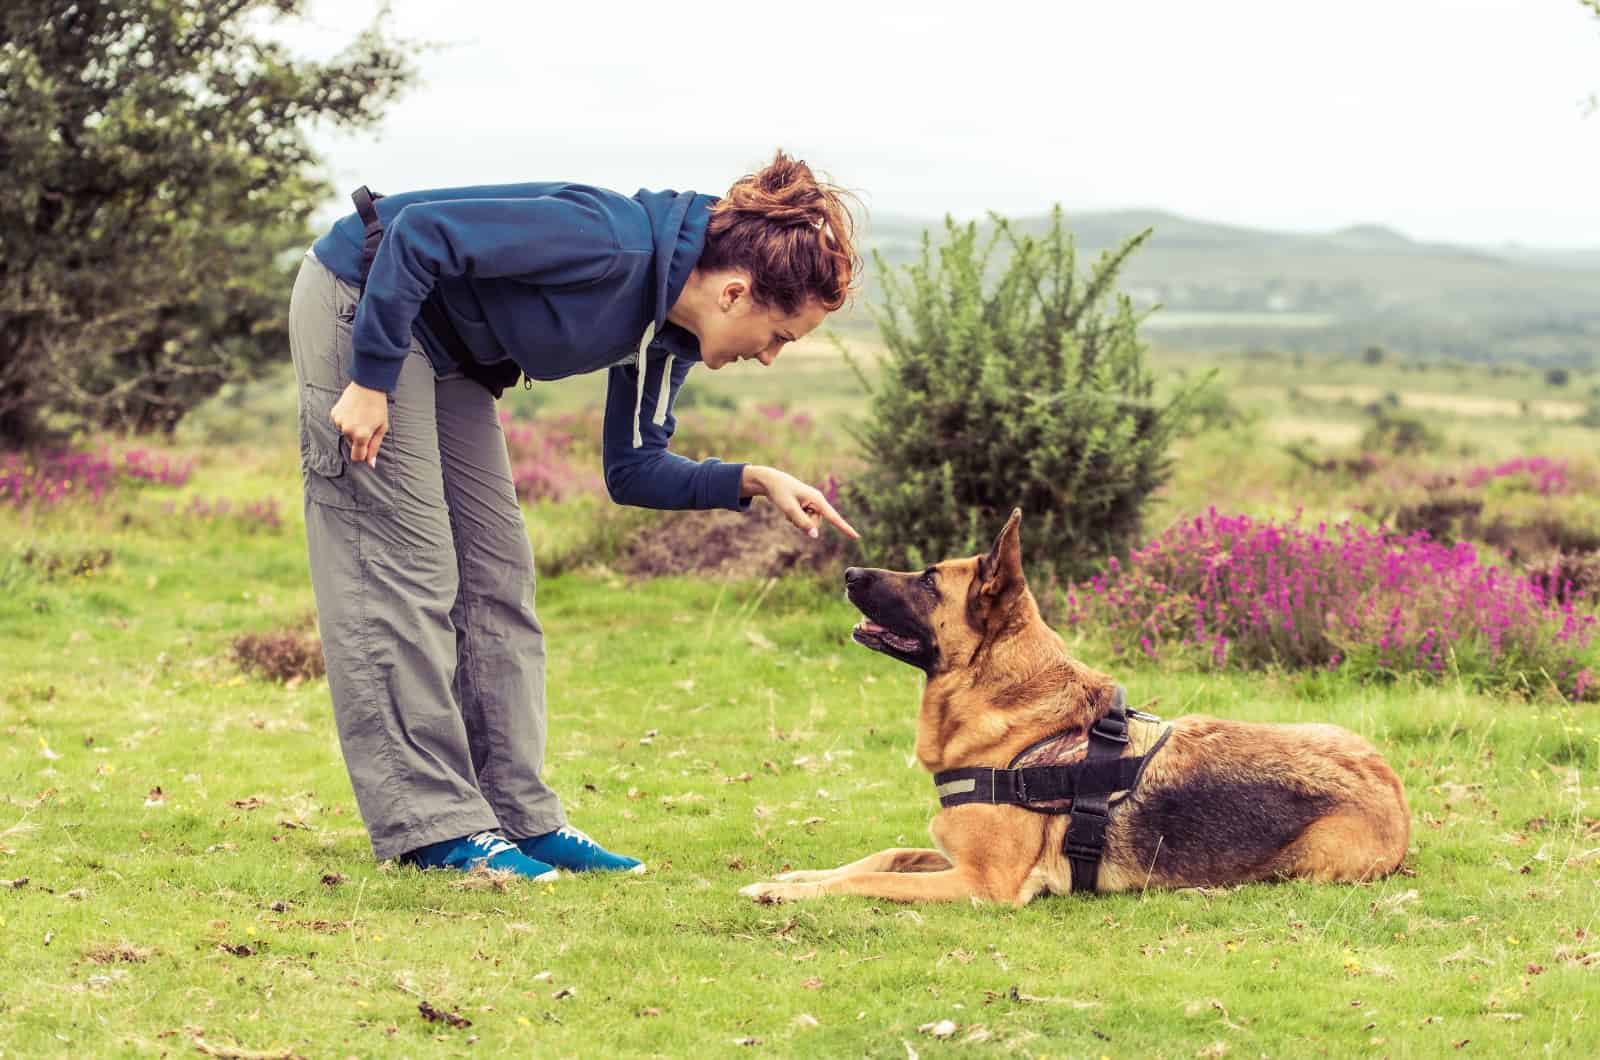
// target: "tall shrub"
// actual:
[[1017, 383]]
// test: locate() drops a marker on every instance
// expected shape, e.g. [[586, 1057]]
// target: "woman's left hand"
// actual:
[[804, 505]]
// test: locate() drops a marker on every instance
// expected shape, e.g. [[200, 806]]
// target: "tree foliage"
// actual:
[[1031, 390], [154, 170]]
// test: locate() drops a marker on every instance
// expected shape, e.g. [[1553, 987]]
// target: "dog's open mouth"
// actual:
[[875, 636]]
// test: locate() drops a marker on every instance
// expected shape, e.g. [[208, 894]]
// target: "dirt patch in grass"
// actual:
[[117, 953], [754, 544]]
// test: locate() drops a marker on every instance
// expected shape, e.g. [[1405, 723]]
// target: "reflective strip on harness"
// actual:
[[955, 787]]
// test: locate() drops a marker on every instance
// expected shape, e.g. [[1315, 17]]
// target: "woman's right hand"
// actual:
[[802, 504], [362, 416]]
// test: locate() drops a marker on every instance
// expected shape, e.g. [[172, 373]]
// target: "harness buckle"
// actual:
[[1113, 727]]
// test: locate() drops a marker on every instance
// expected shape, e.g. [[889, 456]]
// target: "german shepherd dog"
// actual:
[[1219, 802]]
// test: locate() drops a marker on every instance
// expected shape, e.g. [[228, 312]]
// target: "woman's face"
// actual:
[[744, 330]]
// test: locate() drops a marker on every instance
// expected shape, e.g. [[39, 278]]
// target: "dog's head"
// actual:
[[941, 616]]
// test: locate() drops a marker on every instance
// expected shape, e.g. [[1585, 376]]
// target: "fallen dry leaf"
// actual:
[[434, 1015], [941, 1029], [806, 1020], [254, 802], [565, 992], [333, 879]]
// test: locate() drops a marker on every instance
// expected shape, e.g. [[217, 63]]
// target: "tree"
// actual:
[[154, 170], [1031, 391]]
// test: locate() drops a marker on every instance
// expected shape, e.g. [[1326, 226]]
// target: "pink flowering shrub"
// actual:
[[1547, 476], [47, 479], [555, 457], [251, 516], [1234, 591], [547, 460]]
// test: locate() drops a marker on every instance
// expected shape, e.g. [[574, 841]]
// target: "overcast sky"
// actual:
[[1457, 120]]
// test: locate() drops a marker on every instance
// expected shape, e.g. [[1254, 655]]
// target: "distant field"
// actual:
[[1297, 396], [1171, 320], [1482, 405]]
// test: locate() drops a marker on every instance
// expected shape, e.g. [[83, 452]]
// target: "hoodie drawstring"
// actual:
[[663, 392]]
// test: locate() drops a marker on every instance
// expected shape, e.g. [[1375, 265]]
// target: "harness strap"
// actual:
[[1091, 814], [1015, 787], [494, 377], [1089, 783]]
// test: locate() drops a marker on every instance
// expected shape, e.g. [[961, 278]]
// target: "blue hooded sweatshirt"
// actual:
[[561, 279]]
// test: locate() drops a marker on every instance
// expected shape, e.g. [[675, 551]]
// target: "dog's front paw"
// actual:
[[804, 875], [770, 893]]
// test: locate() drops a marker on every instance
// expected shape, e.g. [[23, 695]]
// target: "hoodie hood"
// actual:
[[678, 222]]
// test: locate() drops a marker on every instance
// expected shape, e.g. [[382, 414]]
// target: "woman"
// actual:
[[420, 561]]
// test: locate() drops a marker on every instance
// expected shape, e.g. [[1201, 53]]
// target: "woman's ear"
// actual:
[[735, 293]]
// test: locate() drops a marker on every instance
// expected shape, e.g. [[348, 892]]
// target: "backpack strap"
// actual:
[[494, 377], [373, 234]]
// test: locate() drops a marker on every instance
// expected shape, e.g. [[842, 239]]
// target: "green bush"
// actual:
[[1398, 434], [1019, 384]]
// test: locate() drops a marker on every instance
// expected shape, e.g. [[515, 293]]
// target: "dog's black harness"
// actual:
[[495, 377], [1087, 785]]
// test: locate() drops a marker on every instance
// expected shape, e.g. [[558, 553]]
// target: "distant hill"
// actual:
[[1224, 287]]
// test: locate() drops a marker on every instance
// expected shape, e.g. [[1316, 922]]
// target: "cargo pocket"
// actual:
[[323, 465]]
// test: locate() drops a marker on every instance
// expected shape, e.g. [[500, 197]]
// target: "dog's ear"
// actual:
[[1000, 571]]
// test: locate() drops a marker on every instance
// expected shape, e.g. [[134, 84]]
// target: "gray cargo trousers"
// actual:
[[424, 584]]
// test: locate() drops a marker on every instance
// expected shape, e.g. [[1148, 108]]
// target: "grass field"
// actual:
[[186, 872]]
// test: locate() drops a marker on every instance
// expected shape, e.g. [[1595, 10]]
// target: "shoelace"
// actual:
[[572, 833], [490, 843]]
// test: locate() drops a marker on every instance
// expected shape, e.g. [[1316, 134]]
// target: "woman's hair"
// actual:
[[791, 232]]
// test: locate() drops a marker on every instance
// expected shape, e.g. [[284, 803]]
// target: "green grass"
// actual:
[[723, 732]]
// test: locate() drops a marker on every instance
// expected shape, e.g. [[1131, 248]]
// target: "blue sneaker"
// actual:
[[568, 848], [491, 850]]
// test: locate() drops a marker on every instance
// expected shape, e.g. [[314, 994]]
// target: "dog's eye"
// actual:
[[930, 579]]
